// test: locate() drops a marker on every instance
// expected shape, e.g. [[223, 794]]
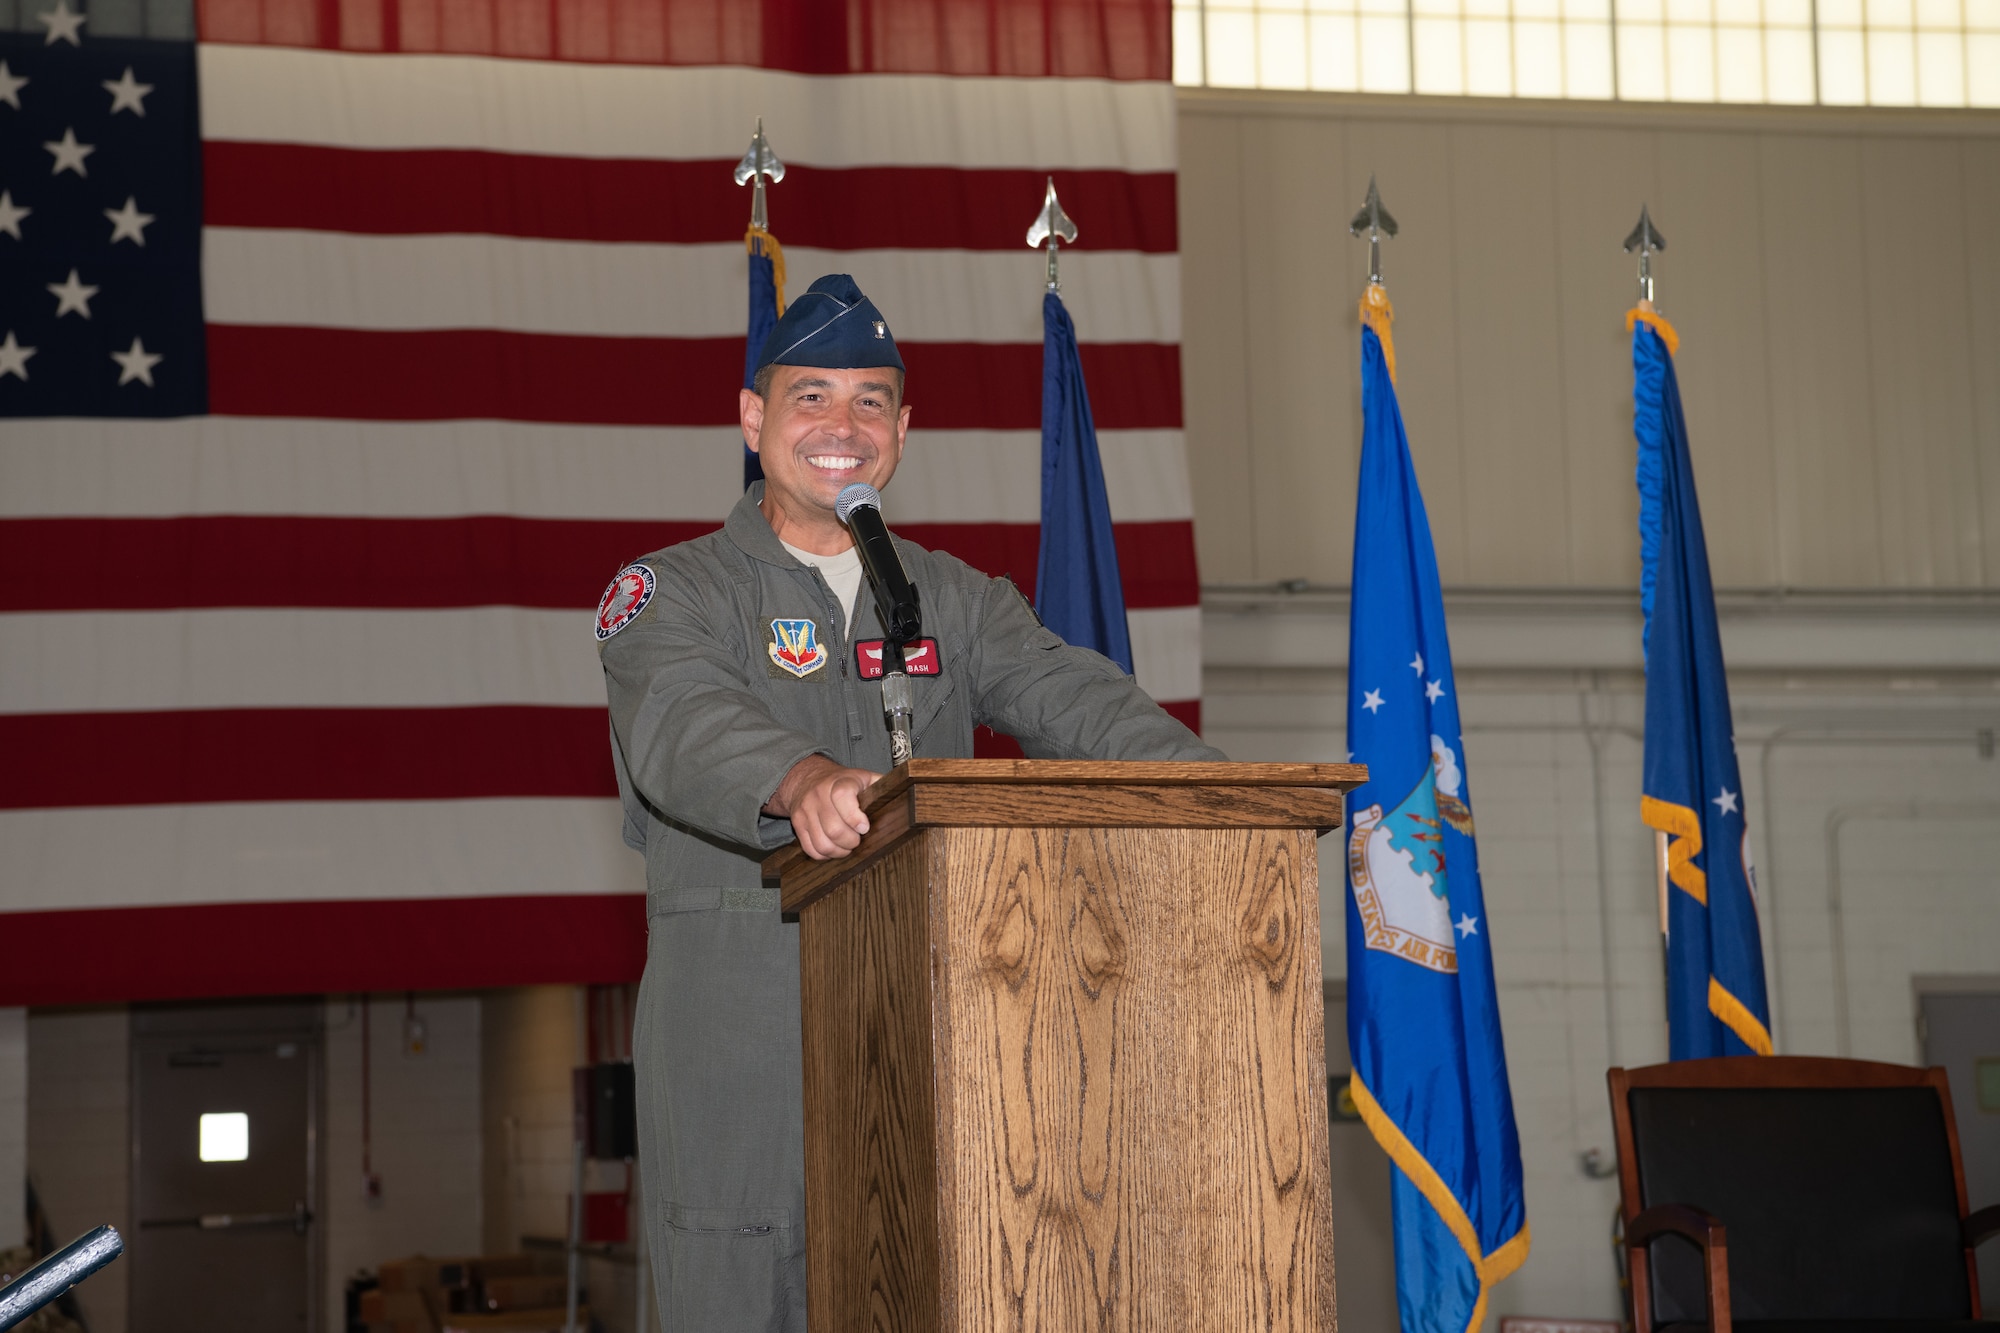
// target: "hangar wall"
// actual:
[[1840, 363], [1829, 273]]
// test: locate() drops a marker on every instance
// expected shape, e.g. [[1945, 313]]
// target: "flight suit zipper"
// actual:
[[836, 615]]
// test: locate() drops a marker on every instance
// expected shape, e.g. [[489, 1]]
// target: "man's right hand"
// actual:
[[823, 801]]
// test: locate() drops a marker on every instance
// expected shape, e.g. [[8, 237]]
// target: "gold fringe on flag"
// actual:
[[1645, 314], [1378, 314], [760, 242]]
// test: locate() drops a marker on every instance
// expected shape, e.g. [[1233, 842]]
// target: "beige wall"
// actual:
[[1832, 275], [534, 1037], [79, 1136], [424, 1124]]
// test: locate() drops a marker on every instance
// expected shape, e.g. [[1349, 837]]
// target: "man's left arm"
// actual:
[[1061, 701]]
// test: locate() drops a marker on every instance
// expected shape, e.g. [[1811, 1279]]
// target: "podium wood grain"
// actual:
[[1068, 1077]]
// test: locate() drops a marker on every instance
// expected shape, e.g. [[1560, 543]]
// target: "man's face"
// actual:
[[819, 431]]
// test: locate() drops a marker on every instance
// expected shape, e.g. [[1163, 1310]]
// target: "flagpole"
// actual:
[[1644, 240], [1052, 226], [760, 167]]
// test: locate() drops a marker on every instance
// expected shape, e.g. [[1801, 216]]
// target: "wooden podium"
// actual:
[[1064, 1066]]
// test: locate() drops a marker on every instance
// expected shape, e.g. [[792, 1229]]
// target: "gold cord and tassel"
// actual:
[[760, 242], [1379, 315], [1644, 313]]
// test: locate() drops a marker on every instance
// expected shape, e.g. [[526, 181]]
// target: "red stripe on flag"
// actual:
[[1079, 39], [114, 955], [1156, 561], [452, 374], [486, 560], [454, 191], [990, 744], [302, 754]]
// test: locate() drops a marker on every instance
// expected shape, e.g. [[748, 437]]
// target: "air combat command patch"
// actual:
[[795, 647]]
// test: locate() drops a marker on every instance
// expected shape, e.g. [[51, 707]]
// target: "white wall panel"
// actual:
[[1840, 357]]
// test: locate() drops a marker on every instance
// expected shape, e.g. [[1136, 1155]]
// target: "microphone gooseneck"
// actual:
[[859, 506]]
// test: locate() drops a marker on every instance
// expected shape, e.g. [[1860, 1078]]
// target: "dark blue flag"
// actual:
[[1692, 792], [100, 228], [1423, 1019], [1077, 591], [767, 302]]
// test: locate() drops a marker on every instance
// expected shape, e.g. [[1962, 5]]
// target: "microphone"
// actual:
[[859, 506]]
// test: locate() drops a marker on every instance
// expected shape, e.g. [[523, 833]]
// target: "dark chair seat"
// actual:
[[1787, 1194]]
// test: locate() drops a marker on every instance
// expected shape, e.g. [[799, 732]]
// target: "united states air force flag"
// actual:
[[1430, 1071], [1692, 793]]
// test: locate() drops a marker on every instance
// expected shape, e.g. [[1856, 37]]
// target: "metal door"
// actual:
[[224, 1119], [1962, 1033]]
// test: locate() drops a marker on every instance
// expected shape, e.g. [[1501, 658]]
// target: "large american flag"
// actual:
[[347, 351]]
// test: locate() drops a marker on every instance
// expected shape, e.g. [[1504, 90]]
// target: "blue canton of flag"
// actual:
[[100, 225], [1430, 1070], [1077, 591], [1692, 792]]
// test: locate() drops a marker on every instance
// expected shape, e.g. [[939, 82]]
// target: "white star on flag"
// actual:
[[11, 85], [11, 214], [1372, 701], [137, 364], [1726, 801], [69, 153], [1467, 925], [62, 24], [73, 296], [128, 94], [1435, 690], [1417, 664], [128, 223], [14, 357]]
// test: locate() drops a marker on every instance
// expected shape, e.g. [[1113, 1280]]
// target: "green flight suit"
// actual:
[[712, 703]]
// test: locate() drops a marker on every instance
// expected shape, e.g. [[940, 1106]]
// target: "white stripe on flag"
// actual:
[[324, 279], [462, 657], [571, 109], [145, 661], [303, 851], [65, 468]]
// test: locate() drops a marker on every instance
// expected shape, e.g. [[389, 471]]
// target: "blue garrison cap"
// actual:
[[832, 326]]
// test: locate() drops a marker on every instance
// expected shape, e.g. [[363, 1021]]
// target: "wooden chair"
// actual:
[[1787, 1194]]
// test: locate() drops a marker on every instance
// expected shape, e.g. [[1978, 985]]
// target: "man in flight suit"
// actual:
[[743, 670]]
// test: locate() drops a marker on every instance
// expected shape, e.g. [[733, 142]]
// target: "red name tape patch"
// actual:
[[919, 658]]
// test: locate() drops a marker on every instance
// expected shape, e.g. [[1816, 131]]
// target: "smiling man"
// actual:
[[744, 672]]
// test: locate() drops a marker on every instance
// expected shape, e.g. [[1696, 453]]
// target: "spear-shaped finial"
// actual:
[[1378, 223], [759, 165], [1051, 225], [1645, 238]]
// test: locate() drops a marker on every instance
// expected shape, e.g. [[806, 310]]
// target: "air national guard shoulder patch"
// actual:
[[625, 599], [795, 647]]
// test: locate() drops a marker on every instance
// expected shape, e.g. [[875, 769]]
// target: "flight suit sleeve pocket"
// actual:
[[733, 1269], [677, 898]]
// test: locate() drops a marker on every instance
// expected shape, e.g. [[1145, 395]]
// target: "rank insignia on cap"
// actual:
[[881, 329], [919, 658], [624, 599], [795, 647]]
